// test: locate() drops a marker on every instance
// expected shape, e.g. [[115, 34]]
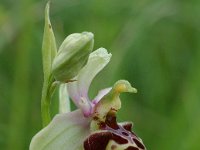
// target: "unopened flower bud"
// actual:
[[72, 55]]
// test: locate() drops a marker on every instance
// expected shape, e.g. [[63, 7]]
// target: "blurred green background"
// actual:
[[155, 45]]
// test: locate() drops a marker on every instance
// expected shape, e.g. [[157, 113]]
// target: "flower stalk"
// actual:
[[45, 102]]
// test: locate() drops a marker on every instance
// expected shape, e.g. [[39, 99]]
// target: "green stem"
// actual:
[[46, 101]]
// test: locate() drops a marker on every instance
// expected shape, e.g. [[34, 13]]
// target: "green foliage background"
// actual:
[[155, 45]]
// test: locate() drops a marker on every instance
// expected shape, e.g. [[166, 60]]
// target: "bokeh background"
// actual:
[[155, 45]]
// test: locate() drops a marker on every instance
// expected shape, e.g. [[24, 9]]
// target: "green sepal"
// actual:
[[65, 131]]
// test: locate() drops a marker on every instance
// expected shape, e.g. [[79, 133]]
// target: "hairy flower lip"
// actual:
[[110, 133]]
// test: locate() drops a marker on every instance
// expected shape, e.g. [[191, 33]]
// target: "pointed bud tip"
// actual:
[[90, 35]]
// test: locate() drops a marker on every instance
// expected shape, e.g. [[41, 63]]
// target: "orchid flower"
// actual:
[[93, 125]]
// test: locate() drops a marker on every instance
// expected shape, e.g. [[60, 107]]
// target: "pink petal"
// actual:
[[101, 94]]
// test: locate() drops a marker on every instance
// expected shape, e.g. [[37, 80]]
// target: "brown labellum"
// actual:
[[110, 130]]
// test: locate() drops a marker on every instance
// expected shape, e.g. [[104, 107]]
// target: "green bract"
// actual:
[[49, 49], [72, 55]]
